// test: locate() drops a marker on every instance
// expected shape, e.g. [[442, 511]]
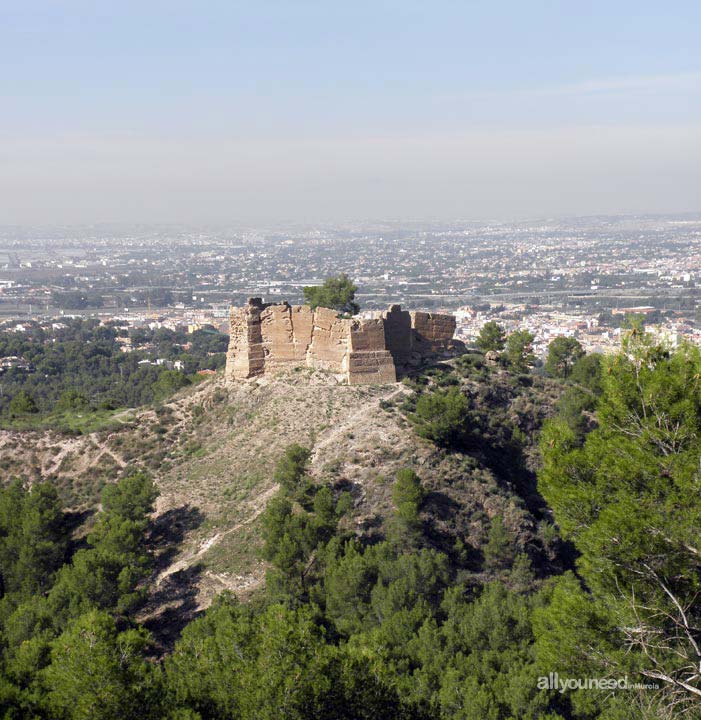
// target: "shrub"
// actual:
[[441, 416], [408, 495]]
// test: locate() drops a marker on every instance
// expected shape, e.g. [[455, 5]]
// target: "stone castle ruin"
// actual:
[[267, 337]]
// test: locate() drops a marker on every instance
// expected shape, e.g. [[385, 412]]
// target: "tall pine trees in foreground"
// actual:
[[69, 647], [392, 626], [629, 500]]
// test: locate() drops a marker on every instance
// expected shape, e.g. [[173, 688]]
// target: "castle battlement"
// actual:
[[266, 337]]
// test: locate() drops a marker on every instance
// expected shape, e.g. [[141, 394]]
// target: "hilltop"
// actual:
[[212, 450], [397, 543]]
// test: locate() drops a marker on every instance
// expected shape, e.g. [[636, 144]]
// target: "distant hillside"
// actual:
[[73, 375]]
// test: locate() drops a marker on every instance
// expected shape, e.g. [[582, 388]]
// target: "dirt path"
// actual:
[[352, 422], [54, 462], [104, 450], [191, 558]]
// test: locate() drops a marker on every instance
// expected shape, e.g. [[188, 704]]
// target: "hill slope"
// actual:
[[212, 450]]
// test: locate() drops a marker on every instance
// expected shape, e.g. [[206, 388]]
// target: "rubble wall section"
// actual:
[[398, 334]]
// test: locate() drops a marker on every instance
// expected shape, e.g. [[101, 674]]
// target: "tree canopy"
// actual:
[[337, 293], [628, 500], [519, 350], [563, 354], [491, 337], [81, 367], [436, 604], [441, 416], [408, 494]]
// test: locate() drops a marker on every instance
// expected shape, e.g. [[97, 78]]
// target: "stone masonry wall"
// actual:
[[369, 361], [269, 337], [398, 334], [432, 332], [245, 357]]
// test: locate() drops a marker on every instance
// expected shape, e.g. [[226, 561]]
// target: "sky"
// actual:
[[274, 111]]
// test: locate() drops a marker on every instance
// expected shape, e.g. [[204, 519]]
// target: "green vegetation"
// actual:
[[418, 638], [99, 673], [73, 377], [627, 499], [23, 404], [408, 495], [337, 293], [499, 550], [291, 468], [68, 421], [577, 405], [168, 383], [62, 654], [441, 416], [563, 355], [587, 372], [420, 613], [518, 352], [491, 337]]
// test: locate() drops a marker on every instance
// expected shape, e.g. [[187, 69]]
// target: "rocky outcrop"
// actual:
[[269, 337]]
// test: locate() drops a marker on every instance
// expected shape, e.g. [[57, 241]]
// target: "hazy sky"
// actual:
[[274, 110]]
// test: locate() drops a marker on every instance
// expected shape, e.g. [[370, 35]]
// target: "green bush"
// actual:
[[408, 495], [23, 404], [441, 416]]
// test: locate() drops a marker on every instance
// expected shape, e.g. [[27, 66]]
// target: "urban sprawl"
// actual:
[[580, 277]]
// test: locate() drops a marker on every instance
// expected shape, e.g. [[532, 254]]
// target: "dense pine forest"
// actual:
[[407, 619], [78, 367]]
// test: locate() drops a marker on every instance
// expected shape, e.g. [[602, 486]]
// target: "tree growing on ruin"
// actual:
[[337, 293]]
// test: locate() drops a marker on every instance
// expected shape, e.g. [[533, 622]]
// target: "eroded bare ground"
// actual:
[[228, 468], [212, 451]]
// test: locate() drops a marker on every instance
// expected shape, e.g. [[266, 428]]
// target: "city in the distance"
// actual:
[[576, 277]]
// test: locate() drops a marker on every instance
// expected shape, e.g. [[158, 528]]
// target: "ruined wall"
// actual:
[[369, 361], [286, 334], [398, 334], [330, 341], [245, 356], [433, 332], [269, 337]]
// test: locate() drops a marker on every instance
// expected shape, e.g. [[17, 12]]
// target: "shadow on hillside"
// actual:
[[429, 366], [168, 531], [440, 505], [172, 602], [171, 606], [508, 463], [74, 521], [441, 532]]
